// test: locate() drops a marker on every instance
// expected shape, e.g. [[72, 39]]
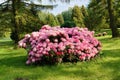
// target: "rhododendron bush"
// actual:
[[54, 45]]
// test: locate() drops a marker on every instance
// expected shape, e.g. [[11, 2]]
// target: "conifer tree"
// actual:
[[52, 20], [22, 12], [77, 16], [60, 19]]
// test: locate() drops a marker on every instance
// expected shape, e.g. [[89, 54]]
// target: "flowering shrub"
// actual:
[[54, 44]]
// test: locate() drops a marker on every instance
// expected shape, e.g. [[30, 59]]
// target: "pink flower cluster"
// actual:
[[59, 42]]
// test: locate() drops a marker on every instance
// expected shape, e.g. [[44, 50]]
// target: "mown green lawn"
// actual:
[[104, 67]]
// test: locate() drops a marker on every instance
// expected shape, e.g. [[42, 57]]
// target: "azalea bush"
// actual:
[[53, 45]]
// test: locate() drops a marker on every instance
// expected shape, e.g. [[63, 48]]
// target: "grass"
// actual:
[[104, 67]]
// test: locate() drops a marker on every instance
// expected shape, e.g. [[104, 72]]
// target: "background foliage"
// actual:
[[20, 17]]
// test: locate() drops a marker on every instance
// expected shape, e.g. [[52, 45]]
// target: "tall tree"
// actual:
[[16, 4], [5, 23], [60, 19], [106, 10], [85, 14], [52, 20], [117, 16], [115, 32], [84, 11], [96, 15], [77, 16], [68, 21], [67, 15], [22, 12], [42, 16]]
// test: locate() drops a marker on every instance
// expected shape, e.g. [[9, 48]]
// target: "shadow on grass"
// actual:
[[113, 63], [17, 62], [106, 39], [5, 44], [63, 70], [111, 53], [45, 72]]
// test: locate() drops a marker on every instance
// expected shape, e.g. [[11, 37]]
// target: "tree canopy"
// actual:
[[24, 16]]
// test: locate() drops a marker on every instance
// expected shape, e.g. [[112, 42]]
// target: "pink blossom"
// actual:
[[47, 27], [63, 39], [47, 49], [56, 40], [31, 53], [33, 59], [27, 36], [82, 57], [28, 62], [76, 41], [47, 40], [34, 49], [37, 55], [20, 43], [59, 53]]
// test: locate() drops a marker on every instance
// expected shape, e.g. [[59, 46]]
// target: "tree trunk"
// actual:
[[115, 32], [15, 31]]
